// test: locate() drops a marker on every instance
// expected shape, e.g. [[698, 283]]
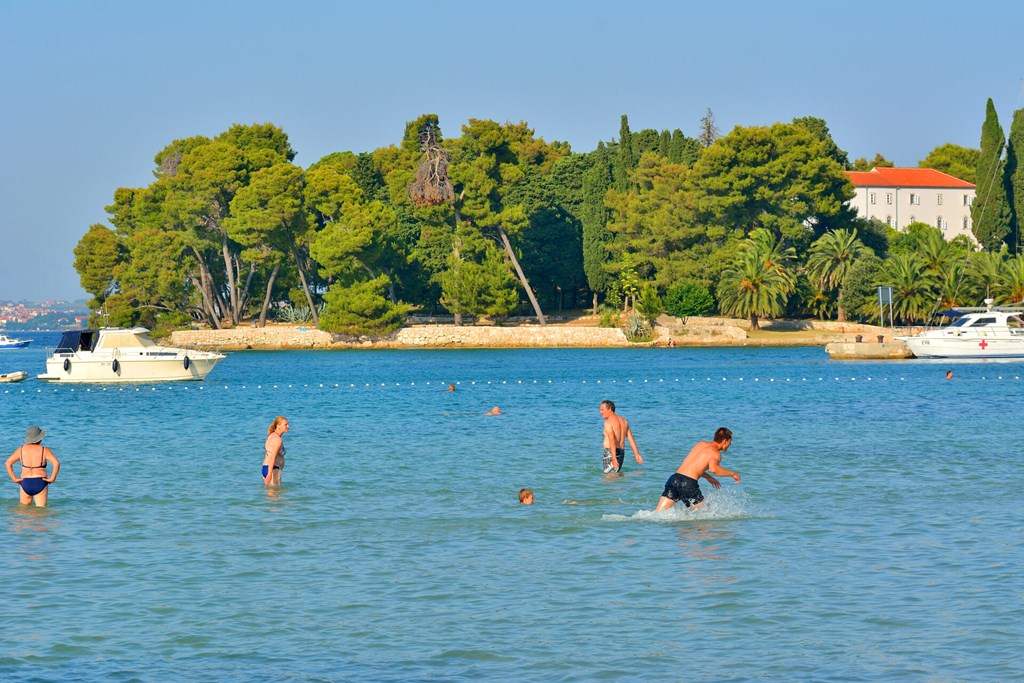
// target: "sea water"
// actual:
[[876, 534]]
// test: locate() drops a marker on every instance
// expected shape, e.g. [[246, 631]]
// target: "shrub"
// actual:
[[649, 304], [688, 298], [636, 328]]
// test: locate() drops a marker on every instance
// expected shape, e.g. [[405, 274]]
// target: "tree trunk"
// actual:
[[243, 298], [266, 299], [840, 313], [594, 310], [753, 321], [305, 288], [232, 291], [522, 276], [209, 303]]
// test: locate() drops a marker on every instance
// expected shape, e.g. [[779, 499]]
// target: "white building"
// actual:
[[901, 196]]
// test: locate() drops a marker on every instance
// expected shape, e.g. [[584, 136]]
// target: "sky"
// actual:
[[91, 90]]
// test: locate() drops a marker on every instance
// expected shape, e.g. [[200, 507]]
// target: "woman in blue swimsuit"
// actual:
[[273, 452], [33, 457]]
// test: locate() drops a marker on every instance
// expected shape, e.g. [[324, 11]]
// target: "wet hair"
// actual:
[[609, 405], [273, 425], [524, 494], [723, 434]]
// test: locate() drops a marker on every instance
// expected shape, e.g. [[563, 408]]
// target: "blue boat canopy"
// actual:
[[951, 314], [77, 340]]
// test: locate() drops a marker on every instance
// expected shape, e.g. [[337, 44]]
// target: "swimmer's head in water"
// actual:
[[526, 496]]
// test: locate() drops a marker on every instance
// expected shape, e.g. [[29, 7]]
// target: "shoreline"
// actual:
[[580, 333]]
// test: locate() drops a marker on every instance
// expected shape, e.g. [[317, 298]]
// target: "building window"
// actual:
[[888, 197], [871, 197], [967, 222], [940, 223], [968, 200], [938, 199], [888, 221], [915, 198]]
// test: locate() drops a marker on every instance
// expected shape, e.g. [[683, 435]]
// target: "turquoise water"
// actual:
[[876, 535]]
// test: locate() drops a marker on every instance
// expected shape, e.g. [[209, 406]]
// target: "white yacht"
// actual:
[[989, 332], [114, 354]]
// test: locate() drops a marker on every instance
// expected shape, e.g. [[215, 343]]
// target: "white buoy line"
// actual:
[[445, 384]]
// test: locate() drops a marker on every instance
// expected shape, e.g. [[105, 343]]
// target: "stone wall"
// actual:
[[414, 336]]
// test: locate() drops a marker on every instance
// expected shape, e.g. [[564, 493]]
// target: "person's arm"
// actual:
[[611, 443], [10, 467], [48, 454], [632, 444], [716, 467], [714, 482], [271, 457]]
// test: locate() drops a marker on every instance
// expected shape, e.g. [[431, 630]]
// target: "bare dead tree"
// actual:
[[432, 186]]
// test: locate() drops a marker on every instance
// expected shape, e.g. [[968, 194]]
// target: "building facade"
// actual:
[[901, 196]]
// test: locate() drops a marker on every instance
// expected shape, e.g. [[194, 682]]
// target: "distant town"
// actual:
[[44, 315]]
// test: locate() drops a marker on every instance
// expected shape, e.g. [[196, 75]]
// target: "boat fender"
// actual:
[[185, 362], [115, 366], [67, 365]]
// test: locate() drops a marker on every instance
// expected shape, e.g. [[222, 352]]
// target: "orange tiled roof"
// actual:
[[905, 177]]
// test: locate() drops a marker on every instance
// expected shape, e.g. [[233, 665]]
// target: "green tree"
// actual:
[[991, 210], [959, 162], [362, 308], [709, 131], [831, 258], [915, 288], [983, 278], [1015, 178], [268, 218], [626, 161], [820, 130], [860, 294], [97, 253], [862, 164], [688, 298], [1012, 281], [594, 215], [759, 281], [648, 304], [778, 178]]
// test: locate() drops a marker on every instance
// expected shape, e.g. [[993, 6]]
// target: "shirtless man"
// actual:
[[704, 457], [616, 431]]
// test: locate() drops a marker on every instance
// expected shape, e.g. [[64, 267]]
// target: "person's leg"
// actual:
[[275, 479], [664, 504], [24, 498], [40, 498]]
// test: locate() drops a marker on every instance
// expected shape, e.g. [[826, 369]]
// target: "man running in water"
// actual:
[[705, 457], [616, 431]]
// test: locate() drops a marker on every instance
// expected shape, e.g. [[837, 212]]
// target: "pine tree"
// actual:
[[991, 210], [708, 130], [1015, 177]]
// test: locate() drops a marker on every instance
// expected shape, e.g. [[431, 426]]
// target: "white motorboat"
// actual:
[[114, 354], [12, 343], [989, 332]]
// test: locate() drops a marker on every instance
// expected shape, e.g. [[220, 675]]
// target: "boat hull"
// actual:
[[70, 369], [15, 345], [958, 347]]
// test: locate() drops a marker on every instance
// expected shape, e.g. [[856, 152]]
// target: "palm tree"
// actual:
[[1012, 281], [831, 258], [758, 283], [914, 287], [984, 274]]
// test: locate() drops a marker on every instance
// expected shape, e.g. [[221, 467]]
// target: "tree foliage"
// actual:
[[991, 210], [959, 162]]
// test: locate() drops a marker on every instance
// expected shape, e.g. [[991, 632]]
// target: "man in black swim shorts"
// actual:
[[705, 457]]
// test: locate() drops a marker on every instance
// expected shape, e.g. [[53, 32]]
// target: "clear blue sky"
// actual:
[[91, 90]]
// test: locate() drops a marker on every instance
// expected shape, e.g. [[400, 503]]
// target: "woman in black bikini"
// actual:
[[33, 456]]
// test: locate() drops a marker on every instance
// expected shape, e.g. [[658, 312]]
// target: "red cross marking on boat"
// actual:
[[983, 344]]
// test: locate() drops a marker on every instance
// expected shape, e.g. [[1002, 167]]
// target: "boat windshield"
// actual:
[[960, 322], [983, 322]]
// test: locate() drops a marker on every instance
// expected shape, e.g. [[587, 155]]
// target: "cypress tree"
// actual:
[[594, 216], [625, 161], [991, 210], [1015, 177], [665, 143]]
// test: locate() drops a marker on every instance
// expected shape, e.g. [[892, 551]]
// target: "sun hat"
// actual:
[[34, 434]]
